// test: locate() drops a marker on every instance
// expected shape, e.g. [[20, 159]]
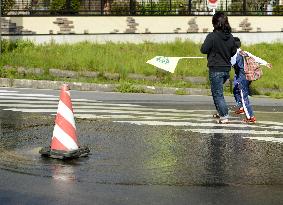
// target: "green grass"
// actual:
[[120, 58], [125, 58], [272, 53]]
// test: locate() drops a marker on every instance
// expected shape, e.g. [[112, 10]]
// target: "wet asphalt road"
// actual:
[[138, 161]]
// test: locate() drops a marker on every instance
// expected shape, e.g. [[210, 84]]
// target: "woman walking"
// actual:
[[219, 47]]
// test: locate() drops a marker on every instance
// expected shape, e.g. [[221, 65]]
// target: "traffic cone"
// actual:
[[64, 133], [64, 143]]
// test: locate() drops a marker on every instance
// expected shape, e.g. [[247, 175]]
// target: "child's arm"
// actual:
[[259, 60], [234, 58]]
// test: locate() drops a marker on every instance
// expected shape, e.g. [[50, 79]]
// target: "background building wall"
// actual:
[[107, 25], [101, 29]]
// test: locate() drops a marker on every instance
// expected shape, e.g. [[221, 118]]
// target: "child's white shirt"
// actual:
[[257, 59]]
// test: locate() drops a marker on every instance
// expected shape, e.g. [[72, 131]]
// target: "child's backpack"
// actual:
[[252, 69]]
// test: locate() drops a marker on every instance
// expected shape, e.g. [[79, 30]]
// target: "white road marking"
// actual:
[[40, 98], [267, 139], [192, 124], [271, 123], [28, 105], [31, 95], [200, 121], [11, 102], [118, 111], [8, 91], [228, 131], [129, 116]]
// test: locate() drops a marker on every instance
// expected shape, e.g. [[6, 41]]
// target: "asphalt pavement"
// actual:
[[145, 149]]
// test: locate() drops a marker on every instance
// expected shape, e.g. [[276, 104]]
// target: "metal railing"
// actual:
[[138, 7]]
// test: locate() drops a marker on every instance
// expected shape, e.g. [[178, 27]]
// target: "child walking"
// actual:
[[241, 89]]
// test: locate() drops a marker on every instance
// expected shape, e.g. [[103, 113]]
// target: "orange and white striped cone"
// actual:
[[64, 133], [64, 143]]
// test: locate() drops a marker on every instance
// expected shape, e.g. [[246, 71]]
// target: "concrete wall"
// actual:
[[251, 29], [98, 25], [246, 38]]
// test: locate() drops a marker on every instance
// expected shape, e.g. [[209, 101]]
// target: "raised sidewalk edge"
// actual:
[[56, 85]]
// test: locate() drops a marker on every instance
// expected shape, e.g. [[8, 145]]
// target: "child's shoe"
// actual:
[[251, 120], [240, 111]]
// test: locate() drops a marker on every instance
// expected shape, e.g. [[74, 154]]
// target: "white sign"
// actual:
[[166, 63], [212, 4]]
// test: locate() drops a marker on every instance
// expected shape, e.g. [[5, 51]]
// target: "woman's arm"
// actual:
[[207, 45]]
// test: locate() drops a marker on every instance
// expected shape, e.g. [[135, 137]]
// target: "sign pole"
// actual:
[[212, 4], [0, 27]]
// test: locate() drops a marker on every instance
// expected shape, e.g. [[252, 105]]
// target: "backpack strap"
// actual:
[[243, 53]]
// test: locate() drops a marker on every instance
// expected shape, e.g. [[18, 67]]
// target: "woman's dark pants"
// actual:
[[217, 79]]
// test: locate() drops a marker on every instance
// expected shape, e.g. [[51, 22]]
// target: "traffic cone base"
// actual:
[[57, 154], [64, 143]]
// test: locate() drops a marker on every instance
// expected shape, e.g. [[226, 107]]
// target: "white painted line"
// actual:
[[42, 101], [227, 131], [192, 124], [271, 123], [27, 105], [27, 98], [146, 109], [77, 105], [274, 112], [273, 127], [40, 98], [20, 94], [11, 102], [87, 105], [119, 111], [94, 116], [33, 110], [122, 105], [267, 139], [8, 91]]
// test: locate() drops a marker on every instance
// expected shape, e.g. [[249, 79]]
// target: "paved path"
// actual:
[[145, 149], [268, 128]]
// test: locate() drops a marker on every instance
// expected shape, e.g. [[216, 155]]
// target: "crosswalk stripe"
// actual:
[[39, 98], [237, 131], [199, 121], [30, 95], [267, 139], [8, 91], [192, 124], [118, 111]]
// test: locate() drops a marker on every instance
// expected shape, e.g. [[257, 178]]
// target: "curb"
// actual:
[[56, 85]]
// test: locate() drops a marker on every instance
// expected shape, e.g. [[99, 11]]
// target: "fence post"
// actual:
[[190, 7], [102, 7], [133, 7], [244, 7], [68, 7]]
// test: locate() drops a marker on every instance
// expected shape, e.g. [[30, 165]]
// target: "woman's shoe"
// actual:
[[223, 121], [216, 115]]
